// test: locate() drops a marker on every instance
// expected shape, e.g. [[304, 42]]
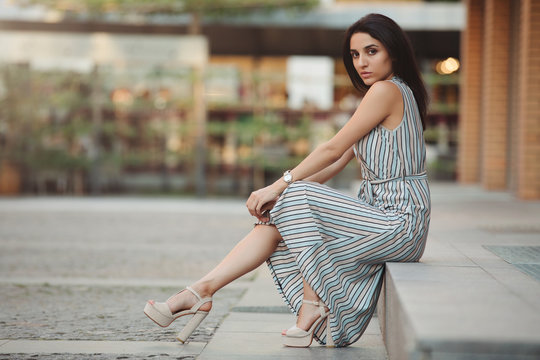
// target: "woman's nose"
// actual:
[[361, 61]]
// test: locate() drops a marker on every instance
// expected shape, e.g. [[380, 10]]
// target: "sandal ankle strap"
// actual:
[[320, 304], [194, 293]]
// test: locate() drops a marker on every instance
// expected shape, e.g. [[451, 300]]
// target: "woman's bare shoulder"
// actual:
[[384, 92], [384, 88]]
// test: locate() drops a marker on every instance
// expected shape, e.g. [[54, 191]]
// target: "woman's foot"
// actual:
[[184, 300], [307, 315], [188, 302]]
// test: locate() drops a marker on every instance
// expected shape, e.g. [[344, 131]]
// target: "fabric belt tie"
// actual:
[[366, 186]]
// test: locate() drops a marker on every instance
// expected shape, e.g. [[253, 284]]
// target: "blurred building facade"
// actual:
[[259, 118], [499, 129]]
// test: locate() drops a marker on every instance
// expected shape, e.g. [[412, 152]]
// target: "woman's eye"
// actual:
[[372, 51], [354, 55]]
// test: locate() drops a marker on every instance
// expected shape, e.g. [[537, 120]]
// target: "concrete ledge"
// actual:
[[430, 311], [463, 301]]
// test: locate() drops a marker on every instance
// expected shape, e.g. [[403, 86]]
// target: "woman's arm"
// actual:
[[330, 171], [381, 101]]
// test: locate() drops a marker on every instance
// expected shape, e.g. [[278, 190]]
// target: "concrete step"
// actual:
[[432, 311], [463, 300]]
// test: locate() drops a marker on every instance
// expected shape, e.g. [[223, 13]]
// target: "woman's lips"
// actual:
[[365, 74]]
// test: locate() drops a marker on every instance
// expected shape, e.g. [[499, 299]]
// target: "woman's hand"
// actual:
[[263, 200]]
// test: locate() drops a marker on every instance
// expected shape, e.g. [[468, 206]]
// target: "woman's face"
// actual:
[[370, 58]]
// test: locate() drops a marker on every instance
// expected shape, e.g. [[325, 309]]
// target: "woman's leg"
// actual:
[[247, 255], [308, 313], [309, 293]]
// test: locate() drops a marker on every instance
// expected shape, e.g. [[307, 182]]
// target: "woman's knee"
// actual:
[[268, 231]]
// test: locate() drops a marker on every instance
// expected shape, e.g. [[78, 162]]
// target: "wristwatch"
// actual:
[[287, 177]]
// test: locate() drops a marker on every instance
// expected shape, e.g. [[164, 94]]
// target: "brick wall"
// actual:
[[495, 89], [514, 94], [470, 94], [499, 125], [528, 151]]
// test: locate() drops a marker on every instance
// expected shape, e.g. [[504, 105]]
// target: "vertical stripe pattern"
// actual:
[[339, 244]]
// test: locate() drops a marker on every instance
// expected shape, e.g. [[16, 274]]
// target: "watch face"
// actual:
[[287, 177]]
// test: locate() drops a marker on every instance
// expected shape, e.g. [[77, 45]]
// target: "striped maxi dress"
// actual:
[[338, 243]]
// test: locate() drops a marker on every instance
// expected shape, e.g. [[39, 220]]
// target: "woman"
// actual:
[[327, 251]]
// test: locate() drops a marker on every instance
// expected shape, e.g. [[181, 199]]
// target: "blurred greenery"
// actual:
[[431, 135], [80, 126], [442, 168], [206, 7], [34, 127]]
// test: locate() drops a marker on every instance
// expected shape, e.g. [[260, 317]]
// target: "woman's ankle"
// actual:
[[204, 288], [186, 299]]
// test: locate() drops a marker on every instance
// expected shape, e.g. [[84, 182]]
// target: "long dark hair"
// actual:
[[399, 48]]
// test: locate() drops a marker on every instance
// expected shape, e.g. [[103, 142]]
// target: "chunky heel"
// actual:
[[192, 324], [329, 339]]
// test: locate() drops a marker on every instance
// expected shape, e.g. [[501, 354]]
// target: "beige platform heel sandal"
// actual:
[[160, 313], [296, 337]]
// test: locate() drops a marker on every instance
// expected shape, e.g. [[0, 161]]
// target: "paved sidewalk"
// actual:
[[75, 273], [252, 330]]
